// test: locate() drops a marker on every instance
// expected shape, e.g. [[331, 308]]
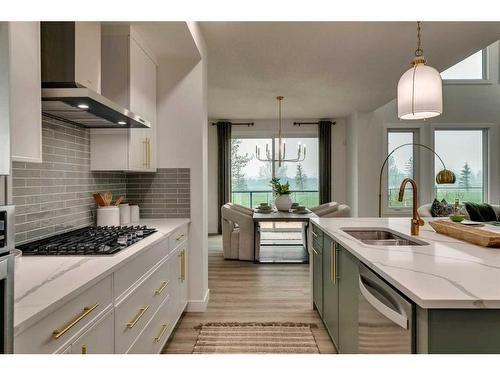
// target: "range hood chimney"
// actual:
[[71, 78]]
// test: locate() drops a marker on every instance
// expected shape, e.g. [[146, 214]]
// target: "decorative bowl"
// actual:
[[457, 218]]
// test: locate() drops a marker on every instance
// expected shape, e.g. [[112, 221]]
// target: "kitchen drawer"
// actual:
[[154, 336], [178, 237], [138, 307], [129, 274], [98, 339], [68, 320]]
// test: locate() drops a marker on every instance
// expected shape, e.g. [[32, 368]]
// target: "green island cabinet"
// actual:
[[435, 331], [336, 275]]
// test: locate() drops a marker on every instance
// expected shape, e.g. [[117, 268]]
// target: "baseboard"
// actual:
[[199, 305]]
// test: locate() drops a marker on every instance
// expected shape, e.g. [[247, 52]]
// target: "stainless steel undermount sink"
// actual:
[[382, 237]]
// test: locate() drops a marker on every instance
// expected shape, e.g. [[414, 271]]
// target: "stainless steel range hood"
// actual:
[[70, 55]]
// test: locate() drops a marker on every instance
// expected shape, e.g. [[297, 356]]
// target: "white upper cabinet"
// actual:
[[25, 92], [129, 79]]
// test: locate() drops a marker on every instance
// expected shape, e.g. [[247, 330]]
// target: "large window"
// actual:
[[399, 166], [250, 177], [471, 68], [463, 152]]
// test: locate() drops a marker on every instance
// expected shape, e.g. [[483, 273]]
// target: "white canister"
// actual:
[[124, 213], [108, 216], [134, 213]]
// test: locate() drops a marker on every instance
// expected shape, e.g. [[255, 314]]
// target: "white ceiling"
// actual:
[[324, 69]]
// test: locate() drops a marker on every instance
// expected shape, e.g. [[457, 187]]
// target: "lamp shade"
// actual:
[[420, 93]]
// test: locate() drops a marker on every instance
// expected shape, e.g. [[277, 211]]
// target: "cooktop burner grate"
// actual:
[[88, 241]]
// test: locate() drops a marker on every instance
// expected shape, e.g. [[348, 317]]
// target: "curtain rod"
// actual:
[[236, 123], [310, 123]]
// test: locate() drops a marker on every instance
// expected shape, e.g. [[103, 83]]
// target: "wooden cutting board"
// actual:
[[477, 236]]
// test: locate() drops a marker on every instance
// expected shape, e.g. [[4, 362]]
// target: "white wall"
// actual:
[[268, 127], [182, 143]]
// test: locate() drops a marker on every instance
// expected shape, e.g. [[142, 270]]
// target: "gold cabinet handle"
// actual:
[[145, 147], [314, 234], [180, 237], [86, 311], [314, 250], [84, 349], [163, 286], [332, 262], [182, 265], [149, 152], [337, 275], [137, 317], [162, 332]]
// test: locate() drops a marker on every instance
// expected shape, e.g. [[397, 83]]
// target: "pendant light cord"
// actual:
[[419, 52]]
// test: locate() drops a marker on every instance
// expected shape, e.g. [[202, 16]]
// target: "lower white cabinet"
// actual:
[[136, 317], [98, 339]]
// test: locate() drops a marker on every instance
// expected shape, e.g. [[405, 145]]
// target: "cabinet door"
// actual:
[[98, 339], [330, 290], [142, 154], [317, 277], [348, 301], [25, 94]]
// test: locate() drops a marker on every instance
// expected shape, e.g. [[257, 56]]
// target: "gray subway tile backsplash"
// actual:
[[56, 195]]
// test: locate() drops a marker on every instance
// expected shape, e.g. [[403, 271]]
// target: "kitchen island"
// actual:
[[453, 286], [55, 291]]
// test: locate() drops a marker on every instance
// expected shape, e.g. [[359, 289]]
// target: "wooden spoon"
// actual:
[[99, 199], [119, 200], [108, 197]]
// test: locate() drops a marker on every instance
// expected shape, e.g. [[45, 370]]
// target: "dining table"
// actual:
[[279, 216]]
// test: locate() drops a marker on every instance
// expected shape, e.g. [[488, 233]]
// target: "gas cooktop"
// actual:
[[88, 241]]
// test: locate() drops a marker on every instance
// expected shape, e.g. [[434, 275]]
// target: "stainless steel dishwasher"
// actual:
[[385, 322]]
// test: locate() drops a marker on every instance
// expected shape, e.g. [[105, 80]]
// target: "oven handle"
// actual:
[[397, 318], [3, 268]]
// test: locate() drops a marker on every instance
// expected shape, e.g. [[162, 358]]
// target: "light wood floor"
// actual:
[[247, 292]]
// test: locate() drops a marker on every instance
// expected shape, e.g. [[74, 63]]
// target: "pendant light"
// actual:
[[420, 89], [301, 148]]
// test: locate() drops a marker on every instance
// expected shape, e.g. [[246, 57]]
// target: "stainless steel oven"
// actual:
[[386, 323], [7, 265]]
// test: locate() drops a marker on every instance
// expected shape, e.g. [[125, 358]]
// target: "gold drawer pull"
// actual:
[[180, 237], [84, 349], [314, 234], [163, 286], [86, 311], [162, 332], [182, 265], [314, 250], [137, 317]]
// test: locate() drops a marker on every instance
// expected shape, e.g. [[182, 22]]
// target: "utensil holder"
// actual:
[[134, 213], [124, 213], [108, 216]]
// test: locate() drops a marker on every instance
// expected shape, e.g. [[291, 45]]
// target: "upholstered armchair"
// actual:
[[238, 239], [332, 209]]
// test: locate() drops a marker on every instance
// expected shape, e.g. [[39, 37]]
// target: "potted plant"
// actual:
[[281, 193]]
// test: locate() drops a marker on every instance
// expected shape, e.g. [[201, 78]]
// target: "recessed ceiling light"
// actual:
[[122, 123], [83, 106]]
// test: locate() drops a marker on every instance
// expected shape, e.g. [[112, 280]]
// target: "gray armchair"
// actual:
[[238, 239]]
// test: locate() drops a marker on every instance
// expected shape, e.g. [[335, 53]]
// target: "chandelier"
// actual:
[[301, 149], [420, 92]]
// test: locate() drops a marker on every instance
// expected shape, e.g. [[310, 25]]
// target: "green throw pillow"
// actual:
[[480, 212]]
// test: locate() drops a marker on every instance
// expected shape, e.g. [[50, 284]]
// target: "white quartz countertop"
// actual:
[[44, 283], [447, 273]]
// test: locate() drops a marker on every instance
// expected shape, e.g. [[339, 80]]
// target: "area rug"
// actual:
[[256, 338]]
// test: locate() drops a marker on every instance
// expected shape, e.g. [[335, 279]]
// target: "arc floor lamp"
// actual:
[[445, 176]]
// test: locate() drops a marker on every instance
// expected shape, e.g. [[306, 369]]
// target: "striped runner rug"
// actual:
[[256, 338]]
